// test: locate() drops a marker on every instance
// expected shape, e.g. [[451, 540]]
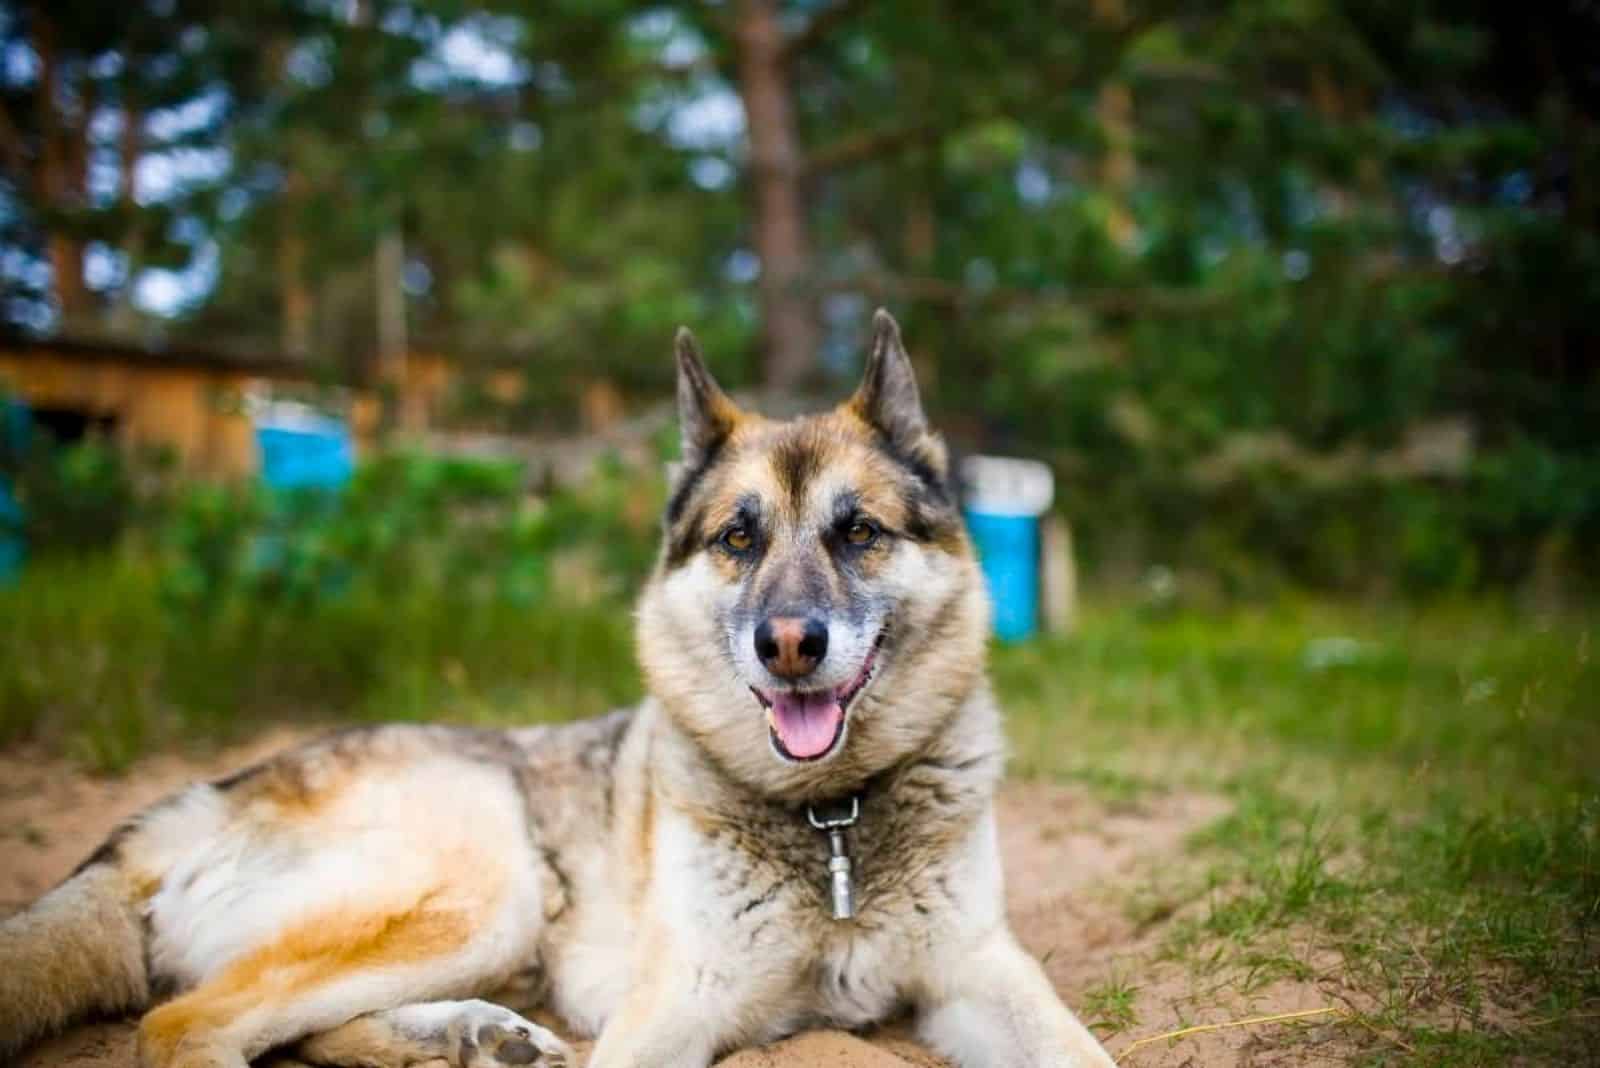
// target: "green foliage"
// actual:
[[71, 499], [405, 520], [1121, 236], [429, 587], [79, 660]]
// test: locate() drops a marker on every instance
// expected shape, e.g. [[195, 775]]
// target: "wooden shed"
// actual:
[[190, 401]]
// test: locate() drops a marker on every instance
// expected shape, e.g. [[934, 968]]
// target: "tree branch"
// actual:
[[821, 25], [869, 144], [1152, 300]]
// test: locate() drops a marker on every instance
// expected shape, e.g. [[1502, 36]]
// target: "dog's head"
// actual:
[[817, 613]]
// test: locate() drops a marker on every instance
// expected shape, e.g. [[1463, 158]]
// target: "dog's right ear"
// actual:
[[888, 401], [706, 415]]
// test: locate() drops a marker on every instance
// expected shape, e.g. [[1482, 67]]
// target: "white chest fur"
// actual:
[[744, 930], [859, 975]]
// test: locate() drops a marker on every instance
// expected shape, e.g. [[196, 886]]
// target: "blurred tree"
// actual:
[[776, 172], [75, 85], [1142, 236]]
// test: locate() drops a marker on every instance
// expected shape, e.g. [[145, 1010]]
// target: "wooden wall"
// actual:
[[195, 411]]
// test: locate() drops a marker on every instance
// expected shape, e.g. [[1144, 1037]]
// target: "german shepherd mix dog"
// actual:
[[795, 828]]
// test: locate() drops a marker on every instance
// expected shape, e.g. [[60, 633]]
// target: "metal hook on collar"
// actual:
[[830, 820], [841, 891]]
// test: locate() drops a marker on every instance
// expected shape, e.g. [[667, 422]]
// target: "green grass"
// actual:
[[1416, 806], [1468, 686], [96, 664], [1108, 1007]]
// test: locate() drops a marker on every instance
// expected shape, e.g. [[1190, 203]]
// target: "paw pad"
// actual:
[[514, 1046]]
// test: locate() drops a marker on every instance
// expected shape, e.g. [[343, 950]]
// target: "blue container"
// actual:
[[1008, 549], [15, 425], [13, 550], [305, 452]]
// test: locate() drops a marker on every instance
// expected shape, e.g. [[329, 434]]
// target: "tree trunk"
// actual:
[[55, 179], [1327, 101], [393, 345], [1119, 166], [389, 268], [296, 306], [921, 236], [294, 295], [789, 328], [130, 145], [920, 241]]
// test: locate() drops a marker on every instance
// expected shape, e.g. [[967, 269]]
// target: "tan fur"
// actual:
[[326, 946], [655, 870], [78, 950]]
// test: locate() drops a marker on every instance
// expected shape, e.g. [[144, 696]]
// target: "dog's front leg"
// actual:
[[686, 1005], [654, 1029], [992, 1004]]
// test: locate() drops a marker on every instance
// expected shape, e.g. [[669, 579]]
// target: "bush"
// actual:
[[428, 588], [406, 520], [71, 498]]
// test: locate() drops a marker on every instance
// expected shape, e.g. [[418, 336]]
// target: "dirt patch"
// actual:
[[1072, 862]]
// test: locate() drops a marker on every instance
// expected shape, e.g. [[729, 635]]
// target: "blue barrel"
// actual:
[[305, 452], [15, 427], [1008, 550], [13, 550]]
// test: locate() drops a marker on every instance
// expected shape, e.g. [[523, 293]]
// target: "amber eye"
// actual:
[[738, 539], [861, 533]]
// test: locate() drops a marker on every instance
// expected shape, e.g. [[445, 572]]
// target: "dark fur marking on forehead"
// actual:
[[796, 459]]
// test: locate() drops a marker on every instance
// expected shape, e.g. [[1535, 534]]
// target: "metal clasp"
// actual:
[[829, 822], [841, 891]]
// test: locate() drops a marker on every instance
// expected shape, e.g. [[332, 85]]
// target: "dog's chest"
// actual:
[[859, 976], [761, 894]]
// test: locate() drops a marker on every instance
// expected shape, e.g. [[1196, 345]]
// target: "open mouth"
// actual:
[[807, 724]]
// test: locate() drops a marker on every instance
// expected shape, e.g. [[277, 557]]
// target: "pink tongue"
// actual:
[[806, 722]]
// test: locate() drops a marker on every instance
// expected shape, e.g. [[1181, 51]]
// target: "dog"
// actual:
[[795, 827]]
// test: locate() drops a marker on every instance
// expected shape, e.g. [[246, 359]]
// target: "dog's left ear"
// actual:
[[888, 400], [706, 415]]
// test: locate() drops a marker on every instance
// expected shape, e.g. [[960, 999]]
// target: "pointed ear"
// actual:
[[887, 397], [706, 415]]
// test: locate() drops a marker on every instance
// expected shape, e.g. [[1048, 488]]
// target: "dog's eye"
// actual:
[[861, 533], [737, 538]]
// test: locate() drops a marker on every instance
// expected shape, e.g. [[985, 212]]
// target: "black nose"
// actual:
[[790, 646]]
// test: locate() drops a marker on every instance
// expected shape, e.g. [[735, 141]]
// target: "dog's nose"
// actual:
[[790, 646]]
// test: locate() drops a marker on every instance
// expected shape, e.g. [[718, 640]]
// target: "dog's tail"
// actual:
[[78, 950]]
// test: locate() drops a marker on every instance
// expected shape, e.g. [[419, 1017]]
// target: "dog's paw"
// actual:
[[202, 1055], [489, 1036]]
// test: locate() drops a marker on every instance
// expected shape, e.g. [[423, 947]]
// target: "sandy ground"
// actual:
[[1071, 863]]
